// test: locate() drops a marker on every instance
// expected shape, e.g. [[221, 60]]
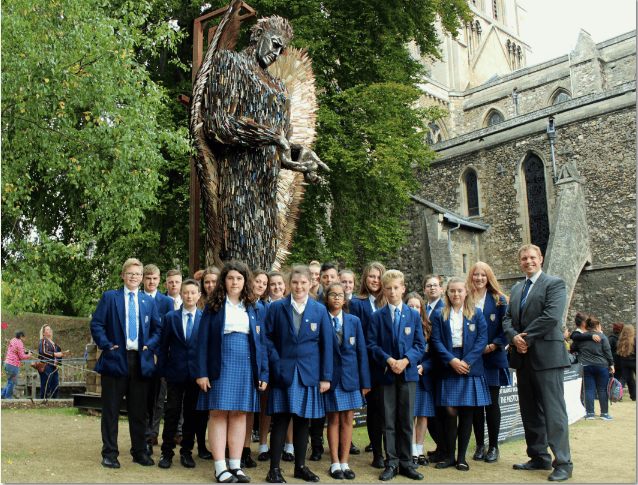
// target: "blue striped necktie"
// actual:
[[397, 323], [132, 317], [528, 284], [189, 327], [336, 323]]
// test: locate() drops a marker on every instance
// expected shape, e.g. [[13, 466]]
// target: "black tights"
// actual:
[[492, 414], [463, 431], [300, 432]]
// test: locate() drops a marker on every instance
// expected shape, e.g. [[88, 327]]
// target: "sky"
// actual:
[[552, 26]]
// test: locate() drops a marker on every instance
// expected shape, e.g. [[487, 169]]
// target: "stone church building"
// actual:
[[542, 154]]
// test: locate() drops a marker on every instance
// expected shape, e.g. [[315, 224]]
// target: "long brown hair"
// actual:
[[364, 291], [217, 298], [468, 304], [425, 321], [257, 272], [493, 287], [627, 341]]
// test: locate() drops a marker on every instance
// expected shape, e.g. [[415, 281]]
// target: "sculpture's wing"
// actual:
[[225, 37], [294, 68]]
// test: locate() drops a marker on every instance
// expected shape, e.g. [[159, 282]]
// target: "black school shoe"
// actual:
[[165, 462], [410, 473], [240, 475], [349, 474], [187, 461], [274, 476], [389, 473], [305, 474], [264, 456], [479, 454], [285, 456], [337, 474], [247, 460], [354, 450]]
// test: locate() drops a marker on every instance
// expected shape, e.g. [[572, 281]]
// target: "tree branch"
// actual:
[[50, 129]]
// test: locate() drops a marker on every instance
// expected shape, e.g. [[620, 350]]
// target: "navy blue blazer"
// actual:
[[108, 328], [495, 335], [474, 341], [438, 306], [428, 361], [361, 308], [164, 304], [380, 343], [350, 359], [177, 358], [209, 343], [310, 350]]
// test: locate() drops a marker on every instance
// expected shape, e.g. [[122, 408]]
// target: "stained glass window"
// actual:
[[434, 134], [561, 97], [471, 186], [495, 117], [537, 202]]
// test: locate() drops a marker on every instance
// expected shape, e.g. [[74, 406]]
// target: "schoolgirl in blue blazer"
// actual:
[[488, 296], [232, 365], [459, 335], [369, 300], [350, 379], [300, 347]]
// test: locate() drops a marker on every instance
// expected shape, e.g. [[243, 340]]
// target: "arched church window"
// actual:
[[471, 188], [495, 6], [519, 53], [536, 202], [561, 97], [478, 31], [434, 134], [494, 117]]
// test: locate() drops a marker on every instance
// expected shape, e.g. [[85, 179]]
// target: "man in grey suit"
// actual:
[[532, 325]]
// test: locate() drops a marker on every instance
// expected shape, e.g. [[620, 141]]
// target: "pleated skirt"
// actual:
[[341, 400], [235, 389], [423, 401], [305, 402], [498, 377], [462, 390]]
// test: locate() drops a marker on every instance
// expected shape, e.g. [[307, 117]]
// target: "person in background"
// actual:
[[13, 361], [315, 286], [489, 297], [49, 352], [208, 282], [613, 344], [627, 352], [173, 286], [348, 280], [433, 289], [597, 363]]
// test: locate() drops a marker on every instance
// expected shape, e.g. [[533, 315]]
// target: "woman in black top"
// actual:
[[627, 352], [597, 363], [613, 343]]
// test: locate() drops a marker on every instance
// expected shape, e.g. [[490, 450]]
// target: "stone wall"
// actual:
[[620, 71]]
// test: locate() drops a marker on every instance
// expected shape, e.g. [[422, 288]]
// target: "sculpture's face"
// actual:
[[269, 47]]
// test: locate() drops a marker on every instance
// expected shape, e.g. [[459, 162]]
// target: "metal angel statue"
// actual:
[[252, 119]]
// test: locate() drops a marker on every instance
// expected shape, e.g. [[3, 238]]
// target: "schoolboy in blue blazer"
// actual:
[[125, 327], [397, 348], [178, 366]]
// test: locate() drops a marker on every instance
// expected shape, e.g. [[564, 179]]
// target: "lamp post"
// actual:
[[551, 134]]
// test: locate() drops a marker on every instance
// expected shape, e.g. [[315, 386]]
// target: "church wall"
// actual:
[[620, 71]]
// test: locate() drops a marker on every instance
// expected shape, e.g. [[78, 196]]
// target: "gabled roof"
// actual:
[[450, 216]]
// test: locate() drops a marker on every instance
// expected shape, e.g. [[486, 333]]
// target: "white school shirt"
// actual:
[[177, 299], [185, 319], [432, 305], [456, 325], [131, 344], [152, 295], [300, 308], [481, 303], [235, 318], [373, 303], [392, 308], [533, 279]]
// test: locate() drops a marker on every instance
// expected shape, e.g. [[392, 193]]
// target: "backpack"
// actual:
[[614, 390]]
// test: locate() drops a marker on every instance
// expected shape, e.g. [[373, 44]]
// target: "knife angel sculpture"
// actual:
[[252, 120]]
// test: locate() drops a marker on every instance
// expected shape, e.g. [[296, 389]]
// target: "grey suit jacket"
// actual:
[[541, 319]]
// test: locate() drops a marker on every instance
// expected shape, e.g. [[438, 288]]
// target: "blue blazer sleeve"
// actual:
[[474, 354], [440, 337], [375, 346], [202, 342], [98, 323], [362, 359], [262, 312], [325, 346]]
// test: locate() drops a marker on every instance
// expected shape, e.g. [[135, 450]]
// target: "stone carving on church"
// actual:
[[570, 171], [252, 121]]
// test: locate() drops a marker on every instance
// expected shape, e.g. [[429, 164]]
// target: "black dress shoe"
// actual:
[[378, 462], [492, 455], [337, 474], [559, 475], [479, 454], [165, 462], [437, 457], [274, 476], [240, 475], [349, 474], [285, 456], [230, 478], [354, 450], [110, 463], [410, 473], [369, 449], [389, 473], [247, 460], [205, 454], [316, 454], [143, 459], [531, 465], [305, 474], [149, 449], [187, 461], [422, 460], [265, 456]]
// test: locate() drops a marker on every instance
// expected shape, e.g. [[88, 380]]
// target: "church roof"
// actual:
[[450, 216]]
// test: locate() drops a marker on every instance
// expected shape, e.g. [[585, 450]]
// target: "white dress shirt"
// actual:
[[456, 325], [392, 308], [432, 305], [533, 279], [152, 295], [236, 318], [178, 300], [131, 344], [481, 303], [299, 307], [185, 319], [373, 303]]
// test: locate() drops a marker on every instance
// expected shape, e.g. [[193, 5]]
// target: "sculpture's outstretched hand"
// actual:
[[307, 162]]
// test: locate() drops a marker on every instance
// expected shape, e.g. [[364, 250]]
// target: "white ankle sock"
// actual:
[[289, 448], [220, 467], [419, 449], [234, 464], [414, 450], [263, 448], [334, 467], [344, 467]]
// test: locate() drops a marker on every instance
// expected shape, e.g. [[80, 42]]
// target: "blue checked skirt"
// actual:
[[497, 377], [341, 400], [423, 402], [462, 390], [235, 389], [305, 402]]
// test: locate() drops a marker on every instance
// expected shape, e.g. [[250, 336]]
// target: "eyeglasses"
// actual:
[[429, 287], [336, 295], [136, 275]]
